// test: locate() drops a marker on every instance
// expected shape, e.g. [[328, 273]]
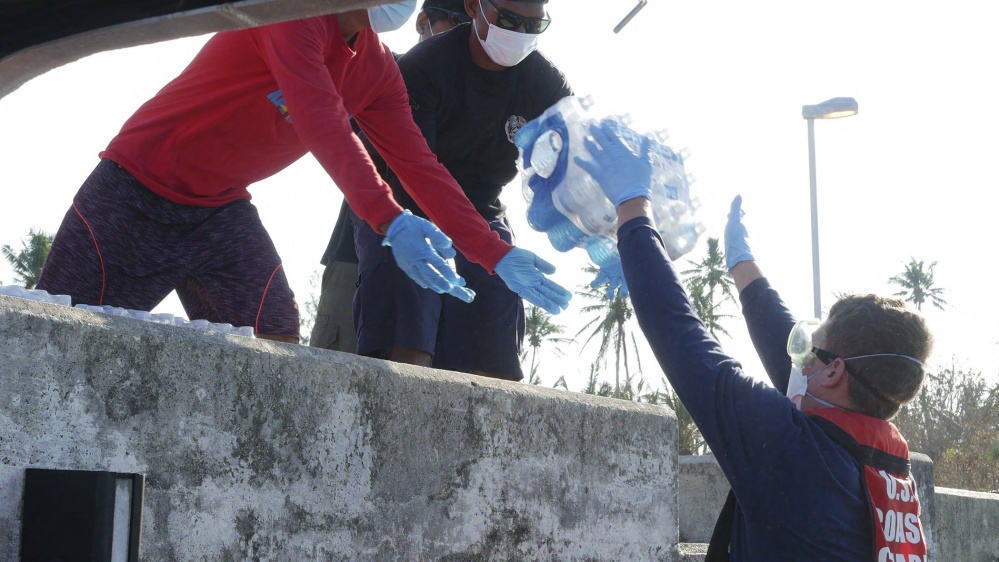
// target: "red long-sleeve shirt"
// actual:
[[253, 101]]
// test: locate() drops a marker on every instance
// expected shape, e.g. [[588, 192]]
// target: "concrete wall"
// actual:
[[703, 488], [260, 450], [967, 526]]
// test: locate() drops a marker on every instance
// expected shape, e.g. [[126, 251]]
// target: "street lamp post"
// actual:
[[830, 109]]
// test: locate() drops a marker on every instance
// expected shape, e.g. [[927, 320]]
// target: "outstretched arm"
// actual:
[[769, 321], [388, 123]]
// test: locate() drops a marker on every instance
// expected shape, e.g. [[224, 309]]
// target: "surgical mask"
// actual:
[[506, 47], [389, 17], [797, 388]]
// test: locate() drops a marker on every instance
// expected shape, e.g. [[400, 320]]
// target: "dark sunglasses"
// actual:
[[828, 357], [505, 19], [453, 18]]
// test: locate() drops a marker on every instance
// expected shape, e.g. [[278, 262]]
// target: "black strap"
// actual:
[[721, 537], [864, 454]]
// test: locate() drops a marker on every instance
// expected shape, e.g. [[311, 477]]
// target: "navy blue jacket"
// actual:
[[799, 495]]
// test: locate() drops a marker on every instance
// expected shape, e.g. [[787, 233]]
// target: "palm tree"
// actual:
[[611, 323], [539, 330], [595, 387], [704, 279], [917, 285], [707, 309], [28, 261]]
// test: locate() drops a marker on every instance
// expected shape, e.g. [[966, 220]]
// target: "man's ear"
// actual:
[[836, 374], [422, 24]]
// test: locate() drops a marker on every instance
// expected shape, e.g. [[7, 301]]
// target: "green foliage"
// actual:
[[955, 420], [560, 383], [708, 285], [28, 261], [610, 322], [540, 329], [918, 286]]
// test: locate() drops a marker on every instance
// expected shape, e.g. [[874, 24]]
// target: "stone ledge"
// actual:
[[259, 449]]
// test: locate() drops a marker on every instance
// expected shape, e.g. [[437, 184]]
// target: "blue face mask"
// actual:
[[389, 17]]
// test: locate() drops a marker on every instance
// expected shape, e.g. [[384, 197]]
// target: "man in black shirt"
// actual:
[[471, 89], [334, 326]]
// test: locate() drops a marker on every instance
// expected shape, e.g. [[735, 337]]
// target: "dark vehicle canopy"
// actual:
[[39, 35]]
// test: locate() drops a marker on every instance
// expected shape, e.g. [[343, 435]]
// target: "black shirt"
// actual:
[[469, 115]]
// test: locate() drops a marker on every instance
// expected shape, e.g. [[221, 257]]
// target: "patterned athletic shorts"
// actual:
[[121, 244]]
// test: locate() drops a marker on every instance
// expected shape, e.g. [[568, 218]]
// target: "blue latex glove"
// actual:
[[420, 249], [524, 273], [621, 173], [612, 275], [736, 236]]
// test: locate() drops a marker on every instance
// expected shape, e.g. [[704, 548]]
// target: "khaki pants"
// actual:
[[334, 328]]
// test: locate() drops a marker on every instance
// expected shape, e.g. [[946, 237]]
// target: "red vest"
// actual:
[[891, 491]]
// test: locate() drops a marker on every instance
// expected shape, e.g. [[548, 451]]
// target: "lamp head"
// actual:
[[830, 109]]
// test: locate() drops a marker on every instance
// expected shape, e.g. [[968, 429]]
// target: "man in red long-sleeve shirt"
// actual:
[[168, 207]]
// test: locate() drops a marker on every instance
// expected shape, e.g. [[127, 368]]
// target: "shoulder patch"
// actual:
[[513, 124]]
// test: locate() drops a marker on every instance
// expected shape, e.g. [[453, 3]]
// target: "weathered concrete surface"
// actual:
[[967, 526], [260, 450], [18, 68], [703, 488]]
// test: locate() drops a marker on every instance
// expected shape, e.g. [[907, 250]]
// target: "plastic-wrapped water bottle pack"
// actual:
[[158, 318], [566, 203]]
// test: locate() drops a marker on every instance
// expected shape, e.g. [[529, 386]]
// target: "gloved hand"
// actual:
[[736, 237], [611, 275], [419, 249], [524, 273], [621, 173]]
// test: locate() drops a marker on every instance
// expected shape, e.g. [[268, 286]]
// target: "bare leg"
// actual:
[[411, 356]]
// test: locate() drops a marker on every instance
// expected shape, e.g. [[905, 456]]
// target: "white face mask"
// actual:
[[389, 17], [506, 47], [797, 386]]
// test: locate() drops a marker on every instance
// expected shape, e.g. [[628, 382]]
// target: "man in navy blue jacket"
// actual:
[[826, 481]]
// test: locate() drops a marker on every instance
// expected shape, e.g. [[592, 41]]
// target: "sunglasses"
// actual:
[[817, 353], [453, 18], [505, 19]]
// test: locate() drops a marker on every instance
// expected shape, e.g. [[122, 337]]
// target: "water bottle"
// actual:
[[34, 294], [564, 235], [602, 250], [570, 207]]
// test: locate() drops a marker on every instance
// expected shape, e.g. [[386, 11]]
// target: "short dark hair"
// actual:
[[451, 10], [869, 325], [450, 5]]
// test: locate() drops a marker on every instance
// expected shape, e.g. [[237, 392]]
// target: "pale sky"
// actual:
[[914, 174]]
